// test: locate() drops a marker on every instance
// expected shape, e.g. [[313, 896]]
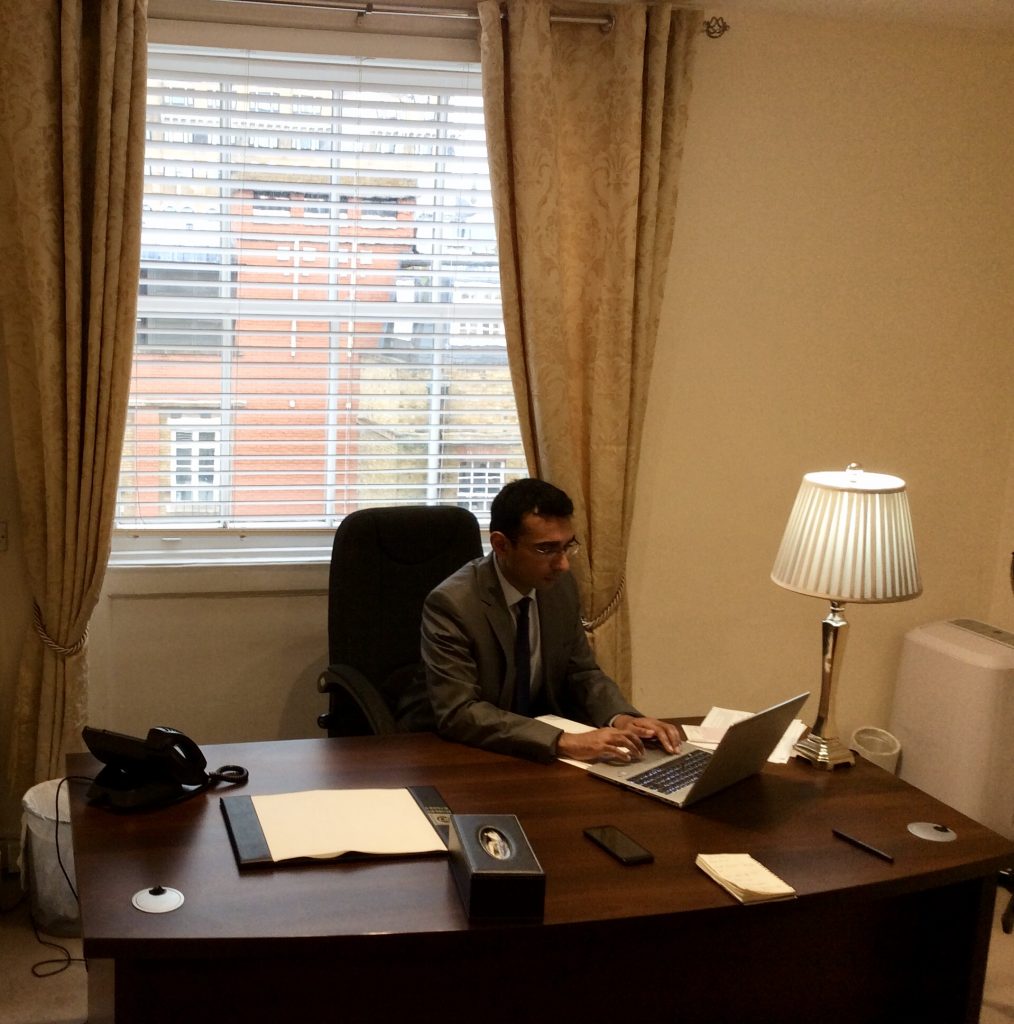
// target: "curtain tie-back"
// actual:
[[57, 648], [590, 625]]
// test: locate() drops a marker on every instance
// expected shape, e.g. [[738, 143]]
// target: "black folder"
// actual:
[[251, 848]]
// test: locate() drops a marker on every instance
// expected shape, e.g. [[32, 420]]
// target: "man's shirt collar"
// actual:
[[511, 593]]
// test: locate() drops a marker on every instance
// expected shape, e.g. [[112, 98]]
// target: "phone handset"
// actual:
[[164, 767], [187, 762]]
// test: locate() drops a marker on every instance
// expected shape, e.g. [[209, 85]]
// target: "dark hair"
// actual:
[[522, 496]]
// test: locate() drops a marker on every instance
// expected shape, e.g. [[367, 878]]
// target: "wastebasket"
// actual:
[[878, 746], [54, 906]]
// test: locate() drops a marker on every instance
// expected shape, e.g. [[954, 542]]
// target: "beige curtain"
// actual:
[[72, 96], [585, 131]]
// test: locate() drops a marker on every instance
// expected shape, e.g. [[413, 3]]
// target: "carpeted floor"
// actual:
[[60, 998], [56, 998]]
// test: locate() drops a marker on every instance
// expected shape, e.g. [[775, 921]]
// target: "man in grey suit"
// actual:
[[502, 642]]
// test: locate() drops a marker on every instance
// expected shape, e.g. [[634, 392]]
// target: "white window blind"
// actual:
[[319, 321]]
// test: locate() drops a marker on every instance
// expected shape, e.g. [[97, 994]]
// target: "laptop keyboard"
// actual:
[[673, 775]]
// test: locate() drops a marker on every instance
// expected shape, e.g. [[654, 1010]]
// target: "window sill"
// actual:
[[189, 561], [211, 578], [190, 547]]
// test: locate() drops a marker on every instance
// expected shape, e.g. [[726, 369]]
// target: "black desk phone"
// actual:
[[164, 767]]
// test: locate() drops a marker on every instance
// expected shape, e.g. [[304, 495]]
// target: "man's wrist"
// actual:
[[614, 722]]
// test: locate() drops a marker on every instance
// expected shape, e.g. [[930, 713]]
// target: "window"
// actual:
[[479, 482], [195, 461], [319, 320]]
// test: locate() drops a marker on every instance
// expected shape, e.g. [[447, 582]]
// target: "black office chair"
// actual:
[[384, 562]]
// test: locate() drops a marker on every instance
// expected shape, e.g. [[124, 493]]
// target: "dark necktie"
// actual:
[[522, 660]]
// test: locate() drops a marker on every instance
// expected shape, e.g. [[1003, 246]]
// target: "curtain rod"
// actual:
[[361, 10], [714, 27]]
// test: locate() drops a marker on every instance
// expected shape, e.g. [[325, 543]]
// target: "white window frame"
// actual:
[[478, 482], [201, 546]]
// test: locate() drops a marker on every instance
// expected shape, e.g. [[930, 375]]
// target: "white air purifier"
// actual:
[[954, 716]]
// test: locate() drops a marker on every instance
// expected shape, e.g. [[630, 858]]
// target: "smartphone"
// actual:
[[619, 844]]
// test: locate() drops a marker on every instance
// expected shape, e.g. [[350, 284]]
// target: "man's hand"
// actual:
[[609, 744], [651, 728]]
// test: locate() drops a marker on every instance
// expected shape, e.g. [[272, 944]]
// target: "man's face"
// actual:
[[538, 559]]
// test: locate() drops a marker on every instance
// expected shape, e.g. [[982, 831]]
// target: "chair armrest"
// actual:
[[346, 685]]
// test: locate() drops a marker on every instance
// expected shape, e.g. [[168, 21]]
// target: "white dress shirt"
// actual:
[[512, 595]]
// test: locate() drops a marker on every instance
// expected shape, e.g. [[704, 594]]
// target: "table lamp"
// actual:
[[848, 538]]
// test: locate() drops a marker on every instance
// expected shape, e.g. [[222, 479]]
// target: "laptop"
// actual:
[[692, 774]]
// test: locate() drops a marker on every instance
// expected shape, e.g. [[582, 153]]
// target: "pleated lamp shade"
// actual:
[[849, 538]]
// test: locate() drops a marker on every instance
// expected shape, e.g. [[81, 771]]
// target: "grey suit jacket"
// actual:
[[468, 654]]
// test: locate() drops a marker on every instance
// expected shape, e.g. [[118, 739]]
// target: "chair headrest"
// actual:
[[410, 534]]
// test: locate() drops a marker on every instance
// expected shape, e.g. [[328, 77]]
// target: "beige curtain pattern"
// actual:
[[585, 133], [72, 97]]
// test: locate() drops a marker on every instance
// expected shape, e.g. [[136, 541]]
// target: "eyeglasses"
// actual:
[[570, 549]]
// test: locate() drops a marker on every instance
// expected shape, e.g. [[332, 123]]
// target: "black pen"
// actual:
[[863, 846]]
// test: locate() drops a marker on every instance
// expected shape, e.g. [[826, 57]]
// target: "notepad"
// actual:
[[745, 878], [335, 823]]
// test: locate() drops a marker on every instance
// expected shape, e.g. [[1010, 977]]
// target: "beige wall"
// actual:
[[223, 654], [842, 290]]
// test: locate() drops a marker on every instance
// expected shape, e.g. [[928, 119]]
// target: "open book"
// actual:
[[747, 879], [336, 823]]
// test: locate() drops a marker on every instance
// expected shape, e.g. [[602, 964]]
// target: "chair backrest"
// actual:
[[384, 561]]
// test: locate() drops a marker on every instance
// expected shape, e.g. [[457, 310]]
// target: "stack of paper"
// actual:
[[747, 879], [708, 734]]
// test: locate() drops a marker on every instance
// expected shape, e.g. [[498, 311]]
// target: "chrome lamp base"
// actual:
[[824, 752], [821, 745]]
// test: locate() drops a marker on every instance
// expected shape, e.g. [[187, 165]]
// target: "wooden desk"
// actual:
[[866, 941]]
